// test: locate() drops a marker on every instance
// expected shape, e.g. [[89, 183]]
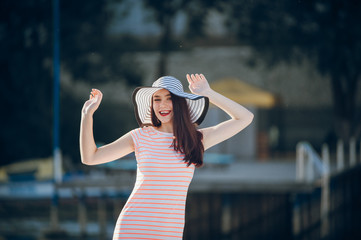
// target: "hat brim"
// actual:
[[142, 97]]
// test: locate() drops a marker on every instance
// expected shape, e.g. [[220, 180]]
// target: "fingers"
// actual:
[[198, 77], [195, 77], [92, 94], [190, 81], [95, 93]]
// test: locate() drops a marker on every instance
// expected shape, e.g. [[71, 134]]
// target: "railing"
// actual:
[[320, 211], [309, 165], [311, 168]]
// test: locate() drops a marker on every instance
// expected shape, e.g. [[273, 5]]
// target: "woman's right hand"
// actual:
[[93, 103]]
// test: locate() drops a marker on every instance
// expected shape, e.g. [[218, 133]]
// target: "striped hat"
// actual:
[[142, 99]]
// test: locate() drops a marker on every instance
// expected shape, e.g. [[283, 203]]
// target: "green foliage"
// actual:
[[325, 32], [165, 13], [87, 51], [195, 11], [26, 80], [26, 45], [321, 29]]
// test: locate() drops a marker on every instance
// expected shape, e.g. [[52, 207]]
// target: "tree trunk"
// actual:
[[164, 46], [344, 103]]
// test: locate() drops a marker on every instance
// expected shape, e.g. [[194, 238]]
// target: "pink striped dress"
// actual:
[[155, 209]]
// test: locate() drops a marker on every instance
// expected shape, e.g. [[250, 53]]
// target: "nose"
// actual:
[[162, 103]]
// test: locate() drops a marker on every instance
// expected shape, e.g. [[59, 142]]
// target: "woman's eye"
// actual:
[[156, 100]]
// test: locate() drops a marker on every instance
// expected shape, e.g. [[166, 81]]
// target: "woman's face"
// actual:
[[163, 106]]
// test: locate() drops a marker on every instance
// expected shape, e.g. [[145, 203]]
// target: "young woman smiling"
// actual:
[[168, 147]]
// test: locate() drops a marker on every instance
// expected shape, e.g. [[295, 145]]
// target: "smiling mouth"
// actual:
[[164, 113]]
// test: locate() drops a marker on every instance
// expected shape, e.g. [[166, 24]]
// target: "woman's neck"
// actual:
[[168, 128]]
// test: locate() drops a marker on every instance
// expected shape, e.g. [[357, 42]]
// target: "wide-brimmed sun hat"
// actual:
[[142, 100]]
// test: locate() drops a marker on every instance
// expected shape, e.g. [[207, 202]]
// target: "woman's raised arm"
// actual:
[[240, 116], [90, 154]]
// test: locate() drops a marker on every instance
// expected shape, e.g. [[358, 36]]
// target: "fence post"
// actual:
[[82, 216], [102, 217], [296, 215], [300, 162], [325, 194], [226, 215], [117, 207], [55, 231], [340, 155], [326, 157], [310, 173], [352, 152], [54, 210]]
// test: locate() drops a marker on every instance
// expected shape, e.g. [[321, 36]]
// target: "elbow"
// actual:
[[250, 117], [246, 120], [86, 160], [87, 156]]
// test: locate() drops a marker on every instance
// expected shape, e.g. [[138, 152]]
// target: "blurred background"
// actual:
[[293, 174]]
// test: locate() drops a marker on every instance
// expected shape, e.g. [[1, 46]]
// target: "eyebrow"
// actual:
[[168, 95]]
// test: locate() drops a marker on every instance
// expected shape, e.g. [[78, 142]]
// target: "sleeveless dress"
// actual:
[[155, 209]]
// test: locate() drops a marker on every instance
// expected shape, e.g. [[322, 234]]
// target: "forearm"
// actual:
[[233, 109], [87, 143]]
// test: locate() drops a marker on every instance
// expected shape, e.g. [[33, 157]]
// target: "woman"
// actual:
[[167, 151]]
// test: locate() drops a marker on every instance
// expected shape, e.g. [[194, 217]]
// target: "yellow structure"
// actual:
[[42, 169], [244, 93]]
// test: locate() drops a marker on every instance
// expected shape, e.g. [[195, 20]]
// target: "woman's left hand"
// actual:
[[198, 84]]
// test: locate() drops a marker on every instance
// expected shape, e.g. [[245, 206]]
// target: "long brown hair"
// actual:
[[188, 139]]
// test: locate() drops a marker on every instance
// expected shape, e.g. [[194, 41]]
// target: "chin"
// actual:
[[165, 121]]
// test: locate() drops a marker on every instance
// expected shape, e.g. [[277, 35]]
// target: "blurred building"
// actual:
[[304, 110], [251, 143], [304, 102]]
